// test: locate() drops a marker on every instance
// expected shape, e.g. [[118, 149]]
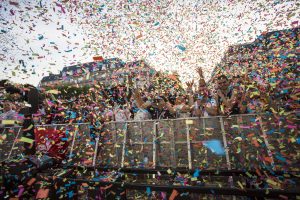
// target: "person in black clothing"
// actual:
[[158, 107], [28, 132], [161, 108]]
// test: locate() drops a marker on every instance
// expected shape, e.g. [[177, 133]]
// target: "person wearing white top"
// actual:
[[205, 105], [121, 113]]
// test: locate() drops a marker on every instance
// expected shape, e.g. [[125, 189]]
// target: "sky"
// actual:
[[41, 37]]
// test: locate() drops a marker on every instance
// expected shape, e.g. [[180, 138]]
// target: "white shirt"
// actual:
[[209, 103]]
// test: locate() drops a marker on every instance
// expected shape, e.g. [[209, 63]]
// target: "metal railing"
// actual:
[[263, 146], [10, 147], [249, 141]]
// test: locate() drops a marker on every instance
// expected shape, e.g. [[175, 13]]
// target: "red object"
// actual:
[[52, 142], [98, 58]]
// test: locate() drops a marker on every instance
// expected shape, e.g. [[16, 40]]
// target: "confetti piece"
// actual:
[[31, 181], [52, 92], [40, 37], [148, 191], [8, 122], [26, 140], [280, 158], [182, 48], [270, 181], [173, 195], [156, 24], [42, 193], [189, 122], [241, 185], [13, 3], [196, 173], [215, 146]]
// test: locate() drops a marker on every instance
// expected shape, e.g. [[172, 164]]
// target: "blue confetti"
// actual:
[[70, 194], [280, 158], [40, 37], [182, 48], [215, 146], [196, 173], [148, 190], [270, 131]]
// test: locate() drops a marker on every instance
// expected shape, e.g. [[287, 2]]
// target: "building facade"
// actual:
[[269, 55], [109, 71]]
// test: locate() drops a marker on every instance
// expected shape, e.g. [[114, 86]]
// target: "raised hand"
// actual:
[[200, 72], [220, 94], [130, 82], [190, 84]]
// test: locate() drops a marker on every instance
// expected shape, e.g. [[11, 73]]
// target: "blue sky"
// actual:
[[170, 35]]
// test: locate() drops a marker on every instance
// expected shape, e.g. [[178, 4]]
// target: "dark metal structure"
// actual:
[[131, 158]]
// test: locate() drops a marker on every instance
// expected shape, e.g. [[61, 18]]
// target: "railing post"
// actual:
[[96, 150], [154, 143], [188, 144], [204, 129], [266, 141], [172, 142], [124, 144], [14, 143], [230, 178], [141, 129], [225, 144], [73, 142]]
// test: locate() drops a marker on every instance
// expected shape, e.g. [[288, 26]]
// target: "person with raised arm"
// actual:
[[205, 104], [227, 101], [155, 106]]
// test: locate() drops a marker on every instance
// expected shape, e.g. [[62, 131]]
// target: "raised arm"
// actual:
[[243, 104], [169, 106], [201, 77], [190, 93], [129, 87], [140, 103]]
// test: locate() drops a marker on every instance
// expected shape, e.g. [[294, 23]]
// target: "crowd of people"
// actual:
[[162, 98]]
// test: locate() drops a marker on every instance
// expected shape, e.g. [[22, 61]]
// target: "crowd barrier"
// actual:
[[252, 143], [11, 147], [249, 141]]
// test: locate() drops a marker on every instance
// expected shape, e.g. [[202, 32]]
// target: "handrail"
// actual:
[[165, 171], [191, 118], [188, 142], [43, 125], [170, 119], [194, 189]]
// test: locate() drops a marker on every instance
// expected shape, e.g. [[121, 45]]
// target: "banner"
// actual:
[[51, 141]]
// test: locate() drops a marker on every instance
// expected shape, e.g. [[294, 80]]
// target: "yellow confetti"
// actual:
[[189, 122], [241, 186]]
